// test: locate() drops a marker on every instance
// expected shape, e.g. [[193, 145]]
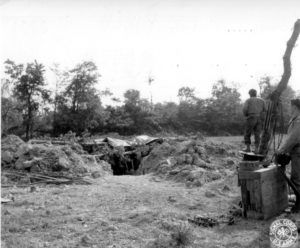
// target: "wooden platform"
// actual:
[[264, 191]]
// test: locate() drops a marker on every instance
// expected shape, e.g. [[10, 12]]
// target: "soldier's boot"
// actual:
[[247, 149]]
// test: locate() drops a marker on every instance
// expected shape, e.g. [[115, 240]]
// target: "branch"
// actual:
[[286, 63]]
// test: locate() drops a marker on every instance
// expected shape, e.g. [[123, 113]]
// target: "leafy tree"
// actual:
[[44, 122], [166, 115], [187, 108], [28, 89], [11, 115], [118, 120], [82, 79], [79, 107], [265, 87], [5, 87], [132, 97], [223, 112], [186, 94], [139, 111], [60, 83], [132, 106]]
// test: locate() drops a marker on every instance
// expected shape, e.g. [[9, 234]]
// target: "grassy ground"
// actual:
[[127, 211], [123, 211], [227, 139]]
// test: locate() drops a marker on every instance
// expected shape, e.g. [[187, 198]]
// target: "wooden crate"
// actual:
[[249, 165], [264, 192]]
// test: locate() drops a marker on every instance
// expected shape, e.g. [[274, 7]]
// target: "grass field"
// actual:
[[128, 211]]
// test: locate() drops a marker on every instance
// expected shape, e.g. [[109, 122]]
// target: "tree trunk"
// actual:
[[27, 129], [28, 121], [269, 124]]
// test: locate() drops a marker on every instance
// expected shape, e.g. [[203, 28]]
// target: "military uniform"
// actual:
[[254, 110], [291, 145]]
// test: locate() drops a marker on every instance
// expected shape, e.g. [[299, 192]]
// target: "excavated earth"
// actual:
[[46, 158], [178, 180]]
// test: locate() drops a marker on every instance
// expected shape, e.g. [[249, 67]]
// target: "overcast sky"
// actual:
[[178, 43]]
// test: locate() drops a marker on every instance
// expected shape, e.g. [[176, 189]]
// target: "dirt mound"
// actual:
[[152, 162], [77, 148], [194, 162], [9, 146], [11, 143], [93, 164], [44, 158], [221, 149]]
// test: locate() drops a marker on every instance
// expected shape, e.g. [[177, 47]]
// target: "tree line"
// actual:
[[30, 109]]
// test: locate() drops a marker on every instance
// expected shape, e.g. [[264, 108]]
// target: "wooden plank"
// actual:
[[244, 191], [245, 197], [253, 193], [249, 165], [265, 173], [248, 202], [257, 195], [250, 196], [248, 175]]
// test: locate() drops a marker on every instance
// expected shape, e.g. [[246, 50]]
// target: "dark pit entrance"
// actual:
[[123, 160], [125, 164]]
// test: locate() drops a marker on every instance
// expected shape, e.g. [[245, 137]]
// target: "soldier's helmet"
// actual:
[[252, 92]]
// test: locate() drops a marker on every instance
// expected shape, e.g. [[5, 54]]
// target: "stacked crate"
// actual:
[[264, 190]]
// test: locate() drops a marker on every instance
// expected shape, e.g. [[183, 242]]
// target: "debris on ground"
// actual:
[[5, 200], [49, 158], [35, 178], [206, 221], [190, 161], [9, 147], [124, 155], [236, 210], [64, 162]]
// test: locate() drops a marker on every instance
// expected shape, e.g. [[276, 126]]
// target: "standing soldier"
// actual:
[[291, 146], [254, 110]]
